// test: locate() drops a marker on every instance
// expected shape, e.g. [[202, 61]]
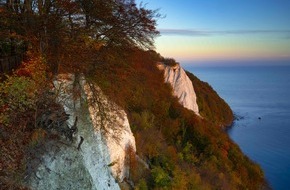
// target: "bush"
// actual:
[[142, 185], [17, 97], [20, 92], [169, 61], [160, 177], [145, 120]]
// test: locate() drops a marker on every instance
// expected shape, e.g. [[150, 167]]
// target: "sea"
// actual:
[[259, 96]]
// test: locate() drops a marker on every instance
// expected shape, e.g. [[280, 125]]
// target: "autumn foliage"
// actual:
[[109, 42], [70, 34], [182, 150], [210, 105], [20, 98]]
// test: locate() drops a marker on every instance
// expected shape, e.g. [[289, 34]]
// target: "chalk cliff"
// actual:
[[101, 161], [182, 86]]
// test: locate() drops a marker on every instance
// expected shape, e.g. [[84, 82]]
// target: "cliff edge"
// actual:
[[182, 86], [96, 159]]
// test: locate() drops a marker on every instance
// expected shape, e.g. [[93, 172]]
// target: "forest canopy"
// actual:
[[58, 29]]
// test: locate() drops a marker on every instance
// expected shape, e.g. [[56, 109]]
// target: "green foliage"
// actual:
[[142, 185], [17, 97], [160, 177], [19, 94], [187, 153], [144, 120]]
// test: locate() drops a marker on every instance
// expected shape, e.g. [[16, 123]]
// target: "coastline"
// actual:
[[254, 92], [227, 129]]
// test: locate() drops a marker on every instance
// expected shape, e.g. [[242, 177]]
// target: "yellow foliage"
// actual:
[[38, 69], [21, 91]]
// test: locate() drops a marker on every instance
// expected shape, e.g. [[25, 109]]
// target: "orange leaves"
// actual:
[[23, 72]]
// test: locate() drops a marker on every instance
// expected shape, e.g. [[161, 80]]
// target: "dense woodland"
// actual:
[[110, 42]]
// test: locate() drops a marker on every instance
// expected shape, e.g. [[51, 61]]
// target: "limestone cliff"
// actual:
[[100, 162], [182, 86]]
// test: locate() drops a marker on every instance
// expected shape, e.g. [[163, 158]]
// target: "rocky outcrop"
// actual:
[[100, 161], [182, 86]]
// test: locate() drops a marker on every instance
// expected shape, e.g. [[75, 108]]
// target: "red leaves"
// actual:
[[23, 72]]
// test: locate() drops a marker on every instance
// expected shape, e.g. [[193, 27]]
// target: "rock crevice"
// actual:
[[105, 136]]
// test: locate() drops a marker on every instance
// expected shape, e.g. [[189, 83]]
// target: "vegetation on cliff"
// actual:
[[108, 41], [183, 151], [23, 97], [211, 106]]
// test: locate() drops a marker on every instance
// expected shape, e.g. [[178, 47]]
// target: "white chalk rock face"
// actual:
[[182, 86], [112, 122], [101, 161]]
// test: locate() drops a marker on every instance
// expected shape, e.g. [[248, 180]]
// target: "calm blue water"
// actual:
[[253, 92]]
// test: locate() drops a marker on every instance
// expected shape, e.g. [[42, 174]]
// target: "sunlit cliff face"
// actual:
[[181, 84], [100, 161]]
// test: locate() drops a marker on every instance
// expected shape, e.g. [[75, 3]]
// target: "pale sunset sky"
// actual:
[[223, 30]]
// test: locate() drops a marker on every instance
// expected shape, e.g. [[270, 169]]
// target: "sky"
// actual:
[[223, 30]]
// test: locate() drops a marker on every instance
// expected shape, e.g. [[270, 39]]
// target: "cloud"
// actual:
[[198, 33], [182, 32]]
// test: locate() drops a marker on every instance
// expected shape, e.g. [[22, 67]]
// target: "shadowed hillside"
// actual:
[[211, 106]]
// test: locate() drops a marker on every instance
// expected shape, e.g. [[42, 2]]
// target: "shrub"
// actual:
[[169, 61], [19, 94], [160, 177], [17, 97], [142, 185], [145, 120]]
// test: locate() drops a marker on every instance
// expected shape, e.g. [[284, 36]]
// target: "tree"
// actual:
[[66, 31], [160, 177], [121, 22]]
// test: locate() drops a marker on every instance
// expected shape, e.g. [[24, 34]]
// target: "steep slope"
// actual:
[[196, 95], [104, 128], [181, 85], [176, 149], [211, 105], [182, 150]]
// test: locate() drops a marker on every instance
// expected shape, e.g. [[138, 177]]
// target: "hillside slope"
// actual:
[[211, 106], [182, 150], [106, 42], [175, 148]]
